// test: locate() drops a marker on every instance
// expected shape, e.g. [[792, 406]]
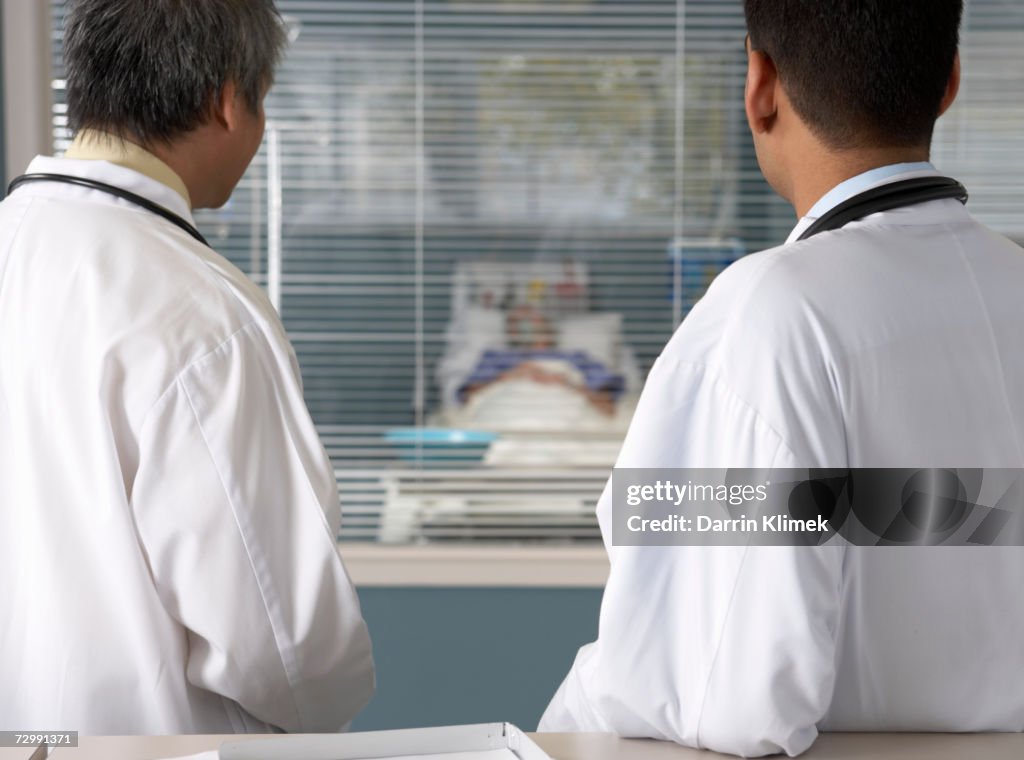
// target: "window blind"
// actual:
[[980, 141], [445, 182]]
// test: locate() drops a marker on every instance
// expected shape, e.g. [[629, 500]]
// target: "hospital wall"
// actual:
[[470, 655], [3, 109], [25, 76]]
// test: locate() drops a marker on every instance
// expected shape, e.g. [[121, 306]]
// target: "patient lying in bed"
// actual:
[[569, 375], [575, 371]]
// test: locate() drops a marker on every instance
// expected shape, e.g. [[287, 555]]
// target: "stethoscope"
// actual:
[[117, 192], [907, 192]]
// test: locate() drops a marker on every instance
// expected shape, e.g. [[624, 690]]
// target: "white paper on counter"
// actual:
[[487, 741]]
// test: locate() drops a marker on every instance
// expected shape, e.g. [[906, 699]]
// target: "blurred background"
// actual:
[[480, 222]]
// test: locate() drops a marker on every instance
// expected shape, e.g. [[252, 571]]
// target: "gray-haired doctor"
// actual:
[[168, 515]]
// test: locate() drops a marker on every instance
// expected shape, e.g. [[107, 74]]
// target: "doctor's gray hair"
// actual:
[[151, 69], [861, 73]]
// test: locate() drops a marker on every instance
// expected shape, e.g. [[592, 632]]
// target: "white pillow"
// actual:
[[598, 335], [483, 328]]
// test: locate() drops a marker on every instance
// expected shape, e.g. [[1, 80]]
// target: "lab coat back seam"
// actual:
[[993, 342], [315, 499], [717, 378], [725, 623], [166, 393], [256, 564], [827, 340], [332, 536], [209, 356], [761, 263], [718, 648], [768, 262]]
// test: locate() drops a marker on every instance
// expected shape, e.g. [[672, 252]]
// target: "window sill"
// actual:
[[476, 566]]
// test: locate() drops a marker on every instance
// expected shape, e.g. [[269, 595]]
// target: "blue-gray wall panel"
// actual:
[[464, 655]]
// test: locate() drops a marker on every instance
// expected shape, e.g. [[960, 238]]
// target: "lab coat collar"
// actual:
[[96, 145], [859, 184], [111, 174]]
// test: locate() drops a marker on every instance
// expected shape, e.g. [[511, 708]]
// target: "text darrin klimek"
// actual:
[[734, 495], [705, 524]]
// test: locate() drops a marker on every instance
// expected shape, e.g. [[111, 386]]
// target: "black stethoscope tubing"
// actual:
[[117, 192], [908, 192]]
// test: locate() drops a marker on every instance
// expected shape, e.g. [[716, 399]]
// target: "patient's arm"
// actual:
[[537, 372]]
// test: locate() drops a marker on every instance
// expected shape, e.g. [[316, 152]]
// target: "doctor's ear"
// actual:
[[952, 87], [227, 108], [760, 94]]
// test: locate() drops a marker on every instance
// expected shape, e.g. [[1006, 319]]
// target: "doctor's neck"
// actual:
[[212, 157], [800, 164], [814, 169]]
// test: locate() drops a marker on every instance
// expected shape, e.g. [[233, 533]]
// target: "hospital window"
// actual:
[[481, 220]]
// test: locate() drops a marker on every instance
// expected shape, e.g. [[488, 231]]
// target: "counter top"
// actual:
[[602, 747]]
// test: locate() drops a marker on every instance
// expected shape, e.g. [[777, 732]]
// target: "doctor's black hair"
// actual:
[[861, 73], [150, 69]]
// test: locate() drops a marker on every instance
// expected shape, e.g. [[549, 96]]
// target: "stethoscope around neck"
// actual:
[[908, 192], [117, 192], [894, 195]]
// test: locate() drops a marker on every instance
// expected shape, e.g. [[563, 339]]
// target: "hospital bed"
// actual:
[[525, 353], [536, 389], [553, 382]]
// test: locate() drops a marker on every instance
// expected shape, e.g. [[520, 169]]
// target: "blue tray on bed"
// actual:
[[440, 445]]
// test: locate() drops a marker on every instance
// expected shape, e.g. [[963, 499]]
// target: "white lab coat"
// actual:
[[895, 342], [168, 561]]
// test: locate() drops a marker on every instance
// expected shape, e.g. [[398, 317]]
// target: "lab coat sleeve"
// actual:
[[237, 511], [725, 648]]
